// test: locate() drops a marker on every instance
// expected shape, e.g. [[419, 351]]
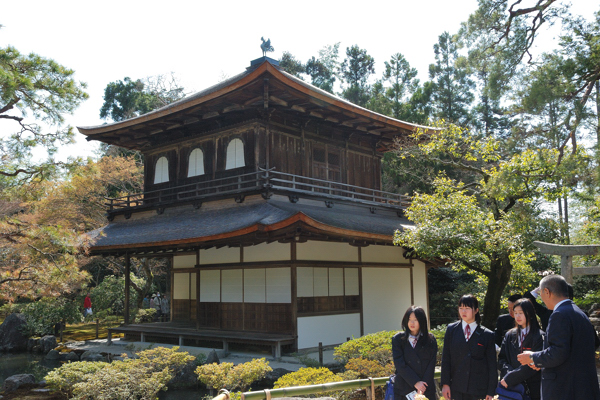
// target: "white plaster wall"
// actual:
[[181, 286], [383, 254], [351, 281], [184, 261], [232, 286], [304, 276], [220, 256], [255, 285], [210, 286], [320, 282], [268, 252], [386, 296], [328, 329], [336, 281], [326, 251], [420, 285], [279, 285]]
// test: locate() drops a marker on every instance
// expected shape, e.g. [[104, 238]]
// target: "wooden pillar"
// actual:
[[198, 289], [127, 285]]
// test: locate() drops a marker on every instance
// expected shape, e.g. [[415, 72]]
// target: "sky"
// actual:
[[202, 42]]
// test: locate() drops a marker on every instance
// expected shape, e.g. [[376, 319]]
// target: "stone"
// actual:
[[184, 377], [71, 356], [212, 358], [11, 337], [48, 343], [16, 381], [53, 355], [32, 344], [92, 356]]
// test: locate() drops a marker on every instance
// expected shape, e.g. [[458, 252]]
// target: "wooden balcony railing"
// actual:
[[264, 181]]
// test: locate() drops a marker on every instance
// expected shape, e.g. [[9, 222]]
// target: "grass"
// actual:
[[87, 330]]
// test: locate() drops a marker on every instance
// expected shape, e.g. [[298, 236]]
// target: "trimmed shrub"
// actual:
[[230, 377], [145, 315], [64, 378], [376, 346], [134, 378], [439, 332], [308, 376], [369, 368]]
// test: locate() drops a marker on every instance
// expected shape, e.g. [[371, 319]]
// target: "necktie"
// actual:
[[467, 332], [414, 342], [522, 338]]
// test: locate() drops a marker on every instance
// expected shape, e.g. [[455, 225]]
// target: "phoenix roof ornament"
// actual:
[[266, 46]]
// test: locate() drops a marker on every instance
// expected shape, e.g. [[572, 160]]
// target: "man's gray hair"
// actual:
[[556, 285]]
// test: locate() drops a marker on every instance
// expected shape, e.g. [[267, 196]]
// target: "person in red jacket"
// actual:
[[87, 305]]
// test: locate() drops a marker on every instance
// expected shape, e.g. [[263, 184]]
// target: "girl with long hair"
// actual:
[[526, 335], [414, 352]]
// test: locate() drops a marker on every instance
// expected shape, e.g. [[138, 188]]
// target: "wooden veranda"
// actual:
[[183, 332]]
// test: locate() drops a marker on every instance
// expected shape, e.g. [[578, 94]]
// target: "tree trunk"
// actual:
[[566, 208], [500, 270]]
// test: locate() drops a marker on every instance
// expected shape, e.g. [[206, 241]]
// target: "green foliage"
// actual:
[[43, 314], [356, 69], [127, 99], [439, 332], [145, 315], [230, 377], [291, 65], [109, 295], [308, 376], [366, 368], [138, 378], [67, 375], [590, 298], [375, 346], [308, 361]]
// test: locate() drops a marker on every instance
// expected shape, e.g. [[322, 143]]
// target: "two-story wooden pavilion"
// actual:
[[265, 192]]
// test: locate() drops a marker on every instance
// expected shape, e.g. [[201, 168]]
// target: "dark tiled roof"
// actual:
[[189, 224]]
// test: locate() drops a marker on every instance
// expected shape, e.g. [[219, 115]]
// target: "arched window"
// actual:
[[161, 172], [196, 163], [235, 154]]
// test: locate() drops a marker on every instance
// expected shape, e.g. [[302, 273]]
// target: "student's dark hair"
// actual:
[[421, 317], [570, 288], [468, 300], [527, 306], [556, 284], [515, 297]]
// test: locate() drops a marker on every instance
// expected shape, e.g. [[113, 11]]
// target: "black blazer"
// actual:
[[414, 364], [569, 368], [511, 369], [504, 323], [469, 367]]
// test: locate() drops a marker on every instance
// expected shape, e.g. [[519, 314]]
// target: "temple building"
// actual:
[[265, 194]]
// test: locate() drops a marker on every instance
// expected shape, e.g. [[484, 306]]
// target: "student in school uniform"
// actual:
[[526, 336], [414, 352], [469, 356]]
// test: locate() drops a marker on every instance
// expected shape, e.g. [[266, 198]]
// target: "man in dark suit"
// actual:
[[506, 322], [567, 361]]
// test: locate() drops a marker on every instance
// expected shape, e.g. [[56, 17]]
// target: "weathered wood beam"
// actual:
[[210, 114], [233, 107], [278, 101], [298, 108], [253, 100]]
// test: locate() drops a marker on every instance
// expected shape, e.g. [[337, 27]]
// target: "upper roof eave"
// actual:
[[241, 80]]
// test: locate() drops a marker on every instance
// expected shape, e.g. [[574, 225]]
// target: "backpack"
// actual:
[[516, 392]]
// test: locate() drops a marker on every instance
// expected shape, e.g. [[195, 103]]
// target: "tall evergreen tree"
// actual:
[[356, 69], [291, 65], [452, 91], [402, 78]]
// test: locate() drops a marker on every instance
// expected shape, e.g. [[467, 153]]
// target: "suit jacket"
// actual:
[[414, 364], [504, 323], [569, 368], [469, 367], [511, 369]]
